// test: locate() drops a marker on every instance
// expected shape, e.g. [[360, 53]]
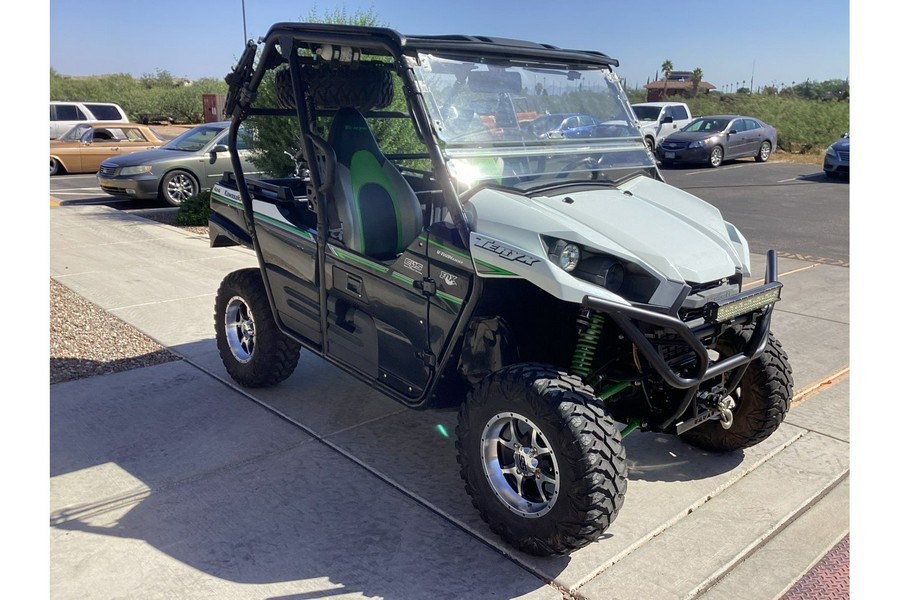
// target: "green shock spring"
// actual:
[[590, 327]]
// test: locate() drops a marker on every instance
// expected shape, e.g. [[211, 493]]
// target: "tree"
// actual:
[[696, 79], [667, 70]]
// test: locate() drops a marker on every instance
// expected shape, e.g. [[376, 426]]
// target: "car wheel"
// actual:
[[544, 466], [56, 167], [178, 186], [649, 142], [254, 351], [715, 156], [765, 149]]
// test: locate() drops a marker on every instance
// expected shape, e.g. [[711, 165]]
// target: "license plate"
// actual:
[[670, 155]]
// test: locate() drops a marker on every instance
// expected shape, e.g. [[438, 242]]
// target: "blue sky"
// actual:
[[768, 41]]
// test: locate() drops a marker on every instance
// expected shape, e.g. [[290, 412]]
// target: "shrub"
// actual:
[[194, 211]]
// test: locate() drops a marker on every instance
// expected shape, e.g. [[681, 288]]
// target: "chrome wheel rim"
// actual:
[[239, 329], [764, 151], [179, 188], [520, 465], [716, 158]]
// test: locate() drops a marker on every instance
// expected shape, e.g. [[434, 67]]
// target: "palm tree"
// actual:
[[696, 78], [667, 70]]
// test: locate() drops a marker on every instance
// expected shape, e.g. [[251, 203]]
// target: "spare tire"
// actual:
[[363, 87]]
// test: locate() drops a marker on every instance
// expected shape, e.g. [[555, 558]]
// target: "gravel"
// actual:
[[86, 341]]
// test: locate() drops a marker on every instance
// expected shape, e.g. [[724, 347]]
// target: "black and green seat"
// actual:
[[379, 212]]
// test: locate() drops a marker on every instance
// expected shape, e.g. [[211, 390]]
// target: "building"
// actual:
[[678, 83]]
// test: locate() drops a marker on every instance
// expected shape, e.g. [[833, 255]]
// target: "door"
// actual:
[[377, 317]]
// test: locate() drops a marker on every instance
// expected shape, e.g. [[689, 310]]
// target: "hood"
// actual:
[[842, 144], [665, 230], [692, 136], [145, 157]]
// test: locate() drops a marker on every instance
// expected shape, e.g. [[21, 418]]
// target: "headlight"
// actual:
[[565, 255], [830, 151], [136, 170], [698, 143]]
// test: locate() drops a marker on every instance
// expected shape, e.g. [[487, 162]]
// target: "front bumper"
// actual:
[[628, 318], [688, 155], [141, 188]]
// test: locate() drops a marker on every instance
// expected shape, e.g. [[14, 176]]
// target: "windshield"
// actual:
[[710, 124], [647, 113], [74, 134], [530, 124], [194, 139]]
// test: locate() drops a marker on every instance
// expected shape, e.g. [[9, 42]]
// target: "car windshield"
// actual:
[[710, 124], [76, 133], [529, 125], [194, 139], [647, 113]]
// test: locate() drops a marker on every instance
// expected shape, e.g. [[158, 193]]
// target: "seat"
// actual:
[[379, 212]]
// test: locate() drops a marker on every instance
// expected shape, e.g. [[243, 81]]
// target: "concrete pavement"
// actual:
[[171, 482]]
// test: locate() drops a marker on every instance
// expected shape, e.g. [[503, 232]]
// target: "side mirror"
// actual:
[[219, 148], [730, 131], [845, 135], [667, 120]]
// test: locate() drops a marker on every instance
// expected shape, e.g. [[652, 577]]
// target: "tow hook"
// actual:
[[725, 407]]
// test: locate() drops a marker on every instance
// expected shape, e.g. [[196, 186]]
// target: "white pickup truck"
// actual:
[[659, 119]]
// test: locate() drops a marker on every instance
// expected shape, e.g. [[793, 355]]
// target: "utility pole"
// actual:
[[244, 16], [752, 71]]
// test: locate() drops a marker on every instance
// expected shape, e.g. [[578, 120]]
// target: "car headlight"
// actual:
[[830, 151], [698, 143], [564, 255], [136, 170]]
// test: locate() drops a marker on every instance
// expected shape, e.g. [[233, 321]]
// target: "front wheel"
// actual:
[[56, 167], [765, 149], [255, 352], [543, 465], [177, 186], [715, 156], [762, 398]]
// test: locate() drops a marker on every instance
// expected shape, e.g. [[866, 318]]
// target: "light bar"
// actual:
[[720, 312]]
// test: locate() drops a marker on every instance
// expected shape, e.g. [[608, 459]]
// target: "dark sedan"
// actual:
[[714, 139], [837, 158], [183, 167]]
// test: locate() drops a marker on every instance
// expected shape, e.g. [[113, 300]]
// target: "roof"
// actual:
[[369, 37], [677, 85]]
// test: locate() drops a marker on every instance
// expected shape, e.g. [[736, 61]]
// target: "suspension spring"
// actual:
[[590, 325]]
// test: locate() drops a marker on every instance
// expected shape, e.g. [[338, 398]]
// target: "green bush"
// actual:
[[194, 211]]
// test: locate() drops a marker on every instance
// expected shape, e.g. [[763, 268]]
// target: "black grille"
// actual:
[[108, 171], [844, 155], [674, 145]]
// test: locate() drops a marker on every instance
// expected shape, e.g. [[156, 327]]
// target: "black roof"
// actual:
[[454, 44]]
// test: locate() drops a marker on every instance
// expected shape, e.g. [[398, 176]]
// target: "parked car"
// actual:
[[85, 146], [183, 167], [658, 120], [717, 138], [564, 125], [65, 115], [837, 158]]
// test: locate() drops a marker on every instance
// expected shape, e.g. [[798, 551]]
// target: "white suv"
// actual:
[[65, 115]]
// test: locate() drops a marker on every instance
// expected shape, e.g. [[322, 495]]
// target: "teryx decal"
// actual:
[[504, 252]]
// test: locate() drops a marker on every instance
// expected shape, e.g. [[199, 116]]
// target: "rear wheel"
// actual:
[[177, 186], [762, 398], [648, 141], [255, 352], [715, 156], [543, 465], [56, 167], [765, 149]]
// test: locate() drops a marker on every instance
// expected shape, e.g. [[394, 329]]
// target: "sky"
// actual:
[[768, 42]]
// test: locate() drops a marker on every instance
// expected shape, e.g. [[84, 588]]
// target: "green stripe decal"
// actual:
[[449, 298], [492, 270], [358, 259], [403, 278]]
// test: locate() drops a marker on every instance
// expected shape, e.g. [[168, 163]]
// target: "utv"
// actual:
[[447, 240]]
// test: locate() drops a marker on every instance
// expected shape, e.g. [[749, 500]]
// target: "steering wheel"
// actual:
[[588, 162]]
